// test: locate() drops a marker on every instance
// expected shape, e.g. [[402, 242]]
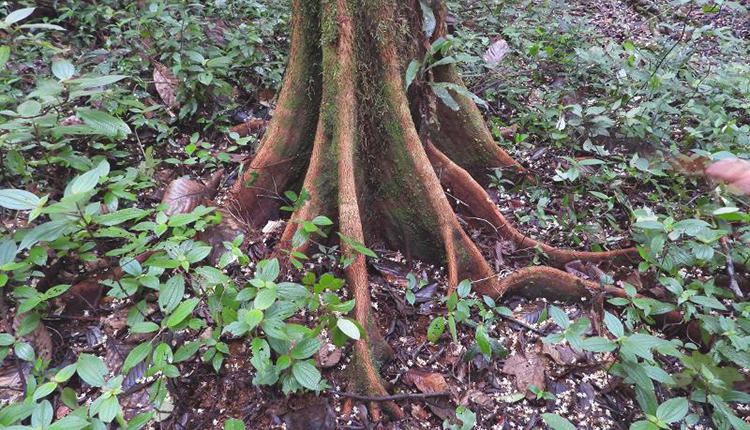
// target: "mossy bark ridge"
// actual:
[[376, 158]]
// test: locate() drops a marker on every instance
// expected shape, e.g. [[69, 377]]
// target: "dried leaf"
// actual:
[[562, 354], [528, 370], [496, 52], [11, 386], [183, 195], [166, 85], [249, 127], [426, 382], [328, 356], [39, 338]]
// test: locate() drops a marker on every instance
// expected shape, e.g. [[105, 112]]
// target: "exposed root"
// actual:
[[282, 155], [320, 203], [464, 260], [464, 187], [464, 136], [547, 282], [350, 222]]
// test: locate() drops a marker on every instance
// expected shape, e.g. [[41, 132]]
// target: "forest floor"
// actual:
[[587, 205]]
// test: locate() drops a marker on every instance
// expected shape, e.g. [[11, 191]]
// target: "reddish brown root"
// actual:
[[547, 282], [284, 150], [463, 134], [319, 204], [350, 222], [341, 138], [465, 188]]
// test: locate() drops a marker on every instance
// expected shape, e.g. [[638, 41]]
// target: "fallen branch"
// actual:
[[405, 396]]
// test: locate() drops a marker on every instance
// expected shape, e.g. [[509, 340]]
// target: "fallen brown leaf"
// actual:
[[166, 84], [327, 356], [563, 355], [183, 194], [528, 370], [426, 382]]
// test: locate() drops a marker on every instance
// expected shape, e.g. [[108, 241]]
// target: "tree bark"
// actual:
[[375, 158]]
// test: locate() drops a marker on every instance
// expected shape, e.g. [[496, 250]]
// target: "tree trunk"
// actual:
[[375, 158]]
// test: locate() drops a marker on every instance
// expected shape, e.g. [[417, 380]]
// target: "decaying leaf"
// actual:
[[426, 382], [39, 338], [562, 354], [496, 52], [11, 385], [249, 127], [183, 194], [328, 356], [528, 370], [166, 84]]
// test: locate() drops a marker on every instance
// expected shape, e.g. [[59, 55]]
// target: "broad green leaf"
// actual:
[[614, 325], [559, 317], [265, 298], [709, 302], [269, 270], [6, 339], [70, 422], [91, 369], [20, 200], [183, 310], [42, 26], [483, 340], [29, 108], [348, 328], [557, 422], [144, 327], [4, 55], [186, 351], [44, 390], [65, 373], [104, 123], [136, 355], [643, 425], [598, 344], [18, 15], [234, 424], [306, 348], [8, 251], [306, 374], [120, 216], [63, 69], [171, 293], [139, 421], [97, 81], [89, 180], [253, 318], [435, 329], [464, 288], [673, 410], [428, 18], [24, 351], [411, 72], [442, 92]]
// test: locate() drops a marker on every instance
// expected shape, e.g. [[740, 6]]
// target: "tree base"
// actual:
[[376, 159]]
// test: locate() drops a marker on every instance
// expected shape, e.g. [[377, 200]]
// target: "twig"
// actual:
[[521, 323], [405, 396], [733, 285]]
